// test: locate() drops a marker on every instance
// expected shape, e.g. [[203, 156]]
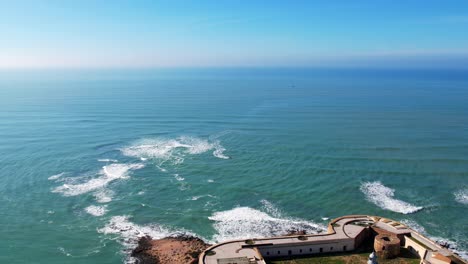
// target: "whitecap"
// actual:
[[162, 150], [246, 222], [219, 151], [56, 176], [108, 160], [461, 196], [210, 181], [179, 178], [108, 174], [96, 210], [382, 196]]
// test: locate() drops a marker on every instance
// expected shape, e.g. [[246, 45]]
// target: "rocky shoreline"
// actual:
[[177, 249], [169, 250]]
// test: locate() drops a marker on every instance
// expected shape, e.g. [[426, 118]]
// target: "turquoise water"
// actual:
[[92, 160]]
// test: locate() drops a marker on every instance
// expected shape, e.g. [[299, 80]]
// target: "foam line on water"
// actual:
[[108, 160], [56, 176], [246, 222], [195, 198], [108, 174], [383, 197], [174, 151]]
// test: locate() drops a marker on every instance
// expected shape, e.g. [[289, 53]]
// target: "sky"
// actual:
[[233, 33]]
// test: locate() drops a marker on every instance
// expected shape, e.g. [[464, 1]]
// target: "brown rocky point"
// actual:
[[169, 250]]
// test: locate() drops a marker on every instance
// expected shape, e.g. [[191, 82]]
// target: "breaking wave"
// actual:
[[96, 210], [382, 196], [173, 150], [246, 222], [108, 174], [461, 196]]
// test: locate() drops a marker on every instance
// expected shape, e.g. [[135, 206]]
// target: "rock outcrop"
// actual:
[[169, 250]]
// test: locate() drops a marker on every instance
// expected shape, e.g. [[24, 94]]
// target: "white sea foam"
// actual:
[[108, 160], [271, 208], [104, 195], [179, 178], [246, 222], [461, 196], [382, 196], [129, 232], [219, 150], [96, 210], [414, 225], [173, 150], [56, 176], [210, 181], [452, 245], [195, 198], [108, 174]]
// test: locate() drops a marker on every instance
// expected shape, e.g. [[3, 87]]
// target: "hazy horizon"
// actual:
[[147, 34]]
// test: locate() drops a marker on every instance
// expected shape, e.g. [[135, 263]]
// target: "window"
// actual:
[[344, 248], [268, 253], [310, 249], [289, 252], [331, 248], [321, 250], [300, 250], [279, 252]]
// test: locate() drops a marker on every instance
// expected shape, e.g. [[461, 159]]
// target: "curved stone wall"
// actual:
[[387, 246]]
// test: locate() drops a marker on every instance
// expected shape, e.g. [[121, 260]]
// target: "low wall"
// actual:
[[284, 250]]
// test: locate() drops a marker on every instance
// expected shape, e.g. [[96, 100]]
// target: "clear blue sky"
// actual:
[[172, 33]]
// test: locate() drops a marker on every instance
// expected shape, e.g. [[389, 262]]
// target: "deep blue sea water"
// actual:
[[92, 160]]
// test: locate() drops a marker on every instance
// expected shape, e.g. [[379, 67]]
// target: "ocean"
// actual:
[[92, 160]]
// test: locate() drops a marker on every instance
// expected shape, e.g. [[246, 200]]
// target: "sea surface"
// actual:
[[92, 160]]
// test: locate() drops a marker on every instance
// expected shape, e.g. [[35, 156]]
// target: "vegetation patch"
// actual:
[[210, 253], [250, 242]]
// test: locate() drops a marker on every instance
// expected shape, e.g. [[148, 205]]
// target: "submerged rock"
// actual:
[[169, 250]]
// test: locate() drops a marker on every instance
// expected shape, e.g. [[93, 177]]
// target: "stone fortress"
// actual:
[[345, 234]]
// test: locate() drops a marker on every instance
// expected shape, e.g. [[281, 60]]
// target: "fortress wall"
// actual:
[[284, 250], [415, 248]]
